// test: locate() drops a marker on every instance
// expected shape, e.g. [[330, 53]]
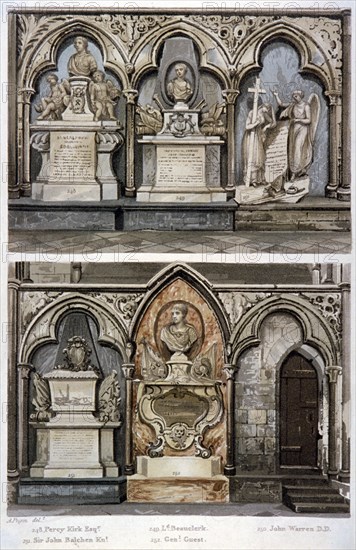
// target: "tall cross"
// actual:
[[257, 90]]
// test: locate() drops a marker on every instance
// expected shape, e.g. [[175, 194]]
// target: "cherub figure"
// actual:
[[52, 106], [103, 94]]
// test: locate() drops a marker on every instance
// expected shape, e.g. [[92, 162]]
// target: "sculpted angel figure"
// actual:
[[52, 106], [103, 94], [179, 336], [81, 63], [179, 88], [303, 116]]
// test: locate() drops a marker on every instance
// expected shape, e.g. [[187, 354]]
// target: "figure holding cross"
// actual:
[[259, 120]]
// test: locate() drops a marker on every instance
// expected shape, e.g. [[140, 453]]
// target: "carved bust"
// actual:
[[179, 88], [81, 63], [179, 336]]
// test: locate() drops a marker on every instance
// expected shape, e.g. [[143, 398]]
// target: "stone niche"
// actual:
[[181, 135], [77, 130], [179, 426], [74, 419]]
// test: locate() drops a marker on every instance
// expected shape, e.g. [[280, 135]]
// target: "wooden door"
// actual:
[[298, 412]]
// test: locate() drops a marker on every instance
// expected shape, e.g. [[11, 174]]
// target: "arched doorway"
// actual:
[[298, 412]]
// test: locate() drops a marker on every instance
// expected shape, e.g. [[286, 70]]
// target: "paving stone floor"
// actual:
[[207, 246], [131, 508]]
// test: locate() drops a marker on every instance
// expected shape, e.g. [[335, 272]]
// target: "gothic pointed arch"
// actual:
[[315, 330], [315, 57], [43, 327], [192, 278], [200, 39], [40, 41]]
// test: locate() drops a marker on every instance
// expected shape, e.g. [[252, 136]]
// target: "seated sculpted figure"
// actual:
[[179, 336], [52, 106], [179, 88], [103, 94], [81, 63]]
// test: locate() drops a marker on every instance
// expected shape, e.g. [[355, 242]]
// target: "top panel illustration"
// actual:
[[180, 120]]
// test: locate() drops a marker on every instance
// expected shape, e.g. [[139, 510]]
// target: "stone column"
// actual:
[[13, 328], [333, 373], [316, 274], [75, 272], [128, 370], [344, 191], [24, 139], [344, 474], [23, 270], [230, 372], [230, 97], [25, 370], [334, 142], [13, 182], [130, 95]]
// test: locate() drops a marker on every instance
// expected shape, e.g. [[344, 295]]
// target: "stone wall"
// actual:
[[257, 388]]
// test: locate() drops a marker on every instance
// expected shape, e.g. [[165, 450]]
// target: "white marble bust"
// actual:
[[179, 336]]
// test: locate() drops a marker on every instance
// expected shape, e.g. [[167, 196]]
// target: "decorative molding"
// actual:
[[236, 304], [33, 302], [42, 400], [329, 306], [124, 304], [32, 28], [130, 29], [232, 30]]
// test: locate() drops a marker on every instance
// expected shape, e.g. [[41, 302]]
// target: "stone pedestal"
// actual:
[[76, 160], [181, 169], [178, 479], [73, 443]]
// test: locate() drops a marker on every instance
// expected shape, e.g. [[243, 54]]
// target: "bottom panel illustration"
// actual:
[[161, 384]]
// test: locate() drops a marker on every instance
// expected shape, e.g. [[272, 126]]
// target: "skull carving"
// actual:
[[179, 435]]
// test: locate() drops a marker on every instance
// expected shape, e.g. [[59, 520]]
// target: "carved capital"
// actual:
[[230, 371], [230, 96], [25, 95], [332, 373], [334, 97], [130, 96], [25, 370], [128, 370]]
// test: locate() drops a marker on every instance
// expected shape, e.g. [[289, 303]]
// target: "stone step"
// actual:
[[323, 497], [312, 489], [319, 507], [295, 482]]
